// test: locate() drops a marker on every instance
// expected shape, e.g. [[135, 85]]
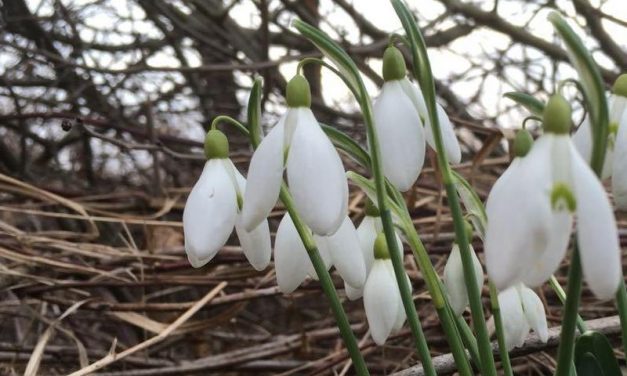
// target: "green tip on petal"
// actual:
[[620, 85], [371, 209], [522, 143], [563, 198], [394, 67], [557, 115], [216, 145], [381, 251], [298, 93]]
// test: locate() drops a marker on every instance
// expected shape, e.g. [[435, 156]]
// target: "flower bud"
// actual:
[[557, 115], [216, 145], [522, 143], [381, 251], [620, 85], [298, 93], [394, 67]]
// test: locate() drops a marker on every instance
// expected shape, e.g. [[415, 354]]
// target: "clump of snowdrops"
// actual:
[[552, 183]]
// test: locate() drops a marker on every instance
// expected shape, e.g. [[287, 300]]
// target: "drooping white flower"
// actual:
[[212, 210], [521, 310], [454, 281], [315, 174], [530, 212], [399, 113], [291, 261], [615, 163], [382, 299], [367, 232], [345, 253]]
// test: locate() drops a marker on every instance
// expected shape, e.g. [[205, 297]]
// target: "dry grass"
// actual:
[[102, 283]]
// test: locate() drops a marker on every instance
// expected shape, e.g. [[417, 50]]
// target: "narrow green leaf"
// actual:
[[342, 141], [254, 112], [472, 203], [598, 346], [333, 52], [532, 104], [588, 365]]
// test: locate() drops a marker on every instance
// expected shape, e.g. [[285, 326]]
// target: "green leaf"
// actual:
[[597, 346], [333, 52], [254, 112], [472, 203], [367, 185], [592, 83], [588, 365], [342, 141], [532, 104]]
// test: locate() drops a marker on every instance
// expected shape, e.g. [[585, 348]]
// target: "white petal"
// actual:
[[400, 134], [515, 326], [291, 261], [316, 176], [454, 279], [346, 254], [401, 315], [367, 233], [415, 95], [534, 312], [596, 231], [451, 144], [324, 249], [519, 216], [380, 302], [209, 214], [619, 174], [255, 244], [353, 293], [265, 176]]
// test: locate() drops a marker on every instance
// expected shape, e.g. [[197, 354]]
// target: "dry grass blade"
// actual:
[[113, 357]]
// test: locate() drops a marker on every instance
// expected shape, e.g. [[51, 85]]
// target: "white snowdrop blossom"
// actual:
[[531, 208], [213, 209], [398, 114], [615, 163], [342, 250], [454, 281], [521, 310], [367, 232], [315, 174], [382, 299]]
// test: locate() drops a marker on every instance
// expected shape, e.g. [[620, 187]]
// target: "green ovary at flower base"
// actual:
[[315, 173], [530, 214], [213, 208], [615, 165]]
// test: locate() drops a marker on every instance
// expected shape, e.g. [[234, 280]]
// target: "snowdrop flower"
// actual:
[[212, 210], [454, 279], [315, 173], [521, 310], [382, 299], [367, 232], [399, 113], [293, 265], [616, 153], [530, 213]]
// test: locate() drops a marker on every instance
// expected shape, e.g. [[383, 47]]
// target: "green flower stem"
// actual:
[[468, 338], [327, 284], [229, 120], [621, 301], [422, 71], [559, 291], [500, 333], [355, 83], [569, 322]]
